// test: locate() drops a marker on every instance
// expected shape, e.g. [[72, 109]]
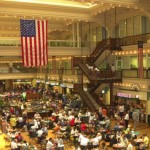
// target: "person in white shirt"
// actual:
[[121, 111], [39, 133], [60, 143], [123, 140], [49, 144], [14, 145], [35, 126], [24, 145], [95, 141], [130, 146], [37, 115], [84, 142], [126, 119]]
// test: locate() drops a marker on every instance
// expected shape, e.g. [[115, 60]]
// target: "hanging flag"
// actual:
[[34, 42]]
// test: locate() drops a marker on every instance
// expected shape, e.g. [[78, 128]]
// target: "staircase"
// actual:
[[87, 98], [96, 78]]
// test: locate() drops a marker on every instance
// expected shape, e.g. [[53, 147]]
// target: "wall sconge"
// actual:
[[103, 91], [136, 96]]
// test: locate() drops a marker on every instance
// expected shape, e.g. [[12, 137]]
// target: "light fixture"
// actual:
[[136, 96]]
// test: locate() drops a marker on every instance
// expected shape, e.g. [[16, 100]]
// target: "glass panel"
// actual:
[[145, 25], [137, 25], [122, 28], [99, 33], [126, 62], [134, 62], [129, 26]]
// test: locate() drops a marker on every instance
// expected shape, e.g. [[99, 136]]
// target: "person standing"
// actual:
[[135, 118], [121, 111], [126, 119]]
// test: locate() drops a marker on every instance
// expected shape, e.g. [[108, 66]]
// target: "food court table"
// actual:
[[138, 142], [119, 146], [43, 113]]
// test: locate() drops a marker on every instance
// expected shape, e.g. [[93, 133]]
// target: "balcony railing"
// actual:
[[130, 40], [36, 70], [51, 43], [134, 73]]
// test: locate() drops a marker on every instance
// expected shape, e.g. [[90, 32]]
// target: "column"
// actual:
[[78, 34], [73, 35], [80, 76], [140, 59], [54, 64], [111, 93], [72, 66]]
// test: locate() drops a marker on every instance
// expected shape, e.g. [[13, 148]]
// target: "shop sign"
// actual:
[[124, 95]]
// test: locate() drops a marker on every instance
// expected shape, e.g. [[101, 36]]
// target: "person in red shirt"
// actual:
[[72, 122], [104, 112], [12, 111], [83, 126]]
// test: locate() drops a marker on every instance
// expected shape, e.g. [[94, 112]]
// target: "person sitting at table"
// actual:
[[45, 130], [123, 140], [13, 121], [145, 143], [56, 127], [49, 144], [60, 143], [37, 115], [84, 142], [35, 125], [72, 122], [83, 126], [113, 140], [128, 132], [130, 145], [19, 137], [96, 141], [116, 127], [121, 122], [24, 145], [14, 145], [107, 123]]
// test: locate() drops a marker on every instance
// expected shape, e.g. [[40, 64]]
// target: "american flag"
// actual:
[[34, 42]]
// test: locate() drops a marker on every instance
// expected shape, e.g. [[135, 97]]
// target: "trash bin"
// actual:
[[148, 120]]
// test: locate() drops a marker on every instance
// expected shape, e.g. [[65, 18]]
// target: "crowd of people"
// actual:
[[84, 128]]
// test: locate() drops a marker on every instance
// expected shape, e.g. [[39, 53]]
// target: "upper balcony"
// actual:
[[12, 47]]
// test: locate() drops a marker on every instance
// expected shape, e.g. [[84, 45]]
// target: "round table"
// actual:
[[138, 142], [118, 146]]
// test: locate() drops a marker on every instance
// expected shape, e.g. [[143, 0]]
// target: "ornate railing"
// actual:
[[133, 40]]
